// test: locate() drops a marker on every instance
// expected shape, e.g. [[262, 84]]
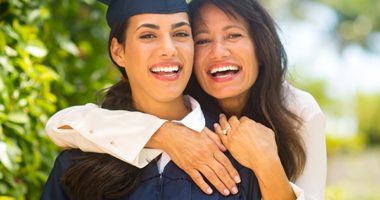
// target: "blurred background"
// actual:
[[53, 54]]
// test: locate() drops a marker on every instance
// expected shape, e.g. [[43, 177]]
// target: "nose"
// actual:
[[219, 50], [168, 47]]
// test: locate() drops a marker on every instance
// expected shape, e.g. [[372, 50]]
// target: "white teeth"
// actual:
[[168, 69], [224, 68]]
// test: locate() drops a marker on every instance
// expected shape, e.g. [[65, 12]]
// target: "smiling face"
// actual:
[[157, 56], [225, 61]]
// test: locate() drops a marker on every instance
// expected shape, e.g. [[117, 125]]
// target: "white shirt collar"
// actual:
[[195, 120]]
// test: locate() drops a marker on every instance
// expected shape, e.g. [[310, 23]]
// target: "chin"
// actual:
[[169, 95], [221, 95]]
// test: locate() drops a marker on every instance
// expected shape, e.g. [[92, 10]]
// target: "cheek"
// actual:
[[199, 53], [200, 59], [190, 53], [251, 76], [186, 50], [199, 68], [196, 70], [251, 59], [201, 77], [136, 51]]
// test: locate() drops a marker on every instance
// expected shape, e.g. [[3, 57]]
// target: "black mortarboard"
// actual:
[[119, 10]]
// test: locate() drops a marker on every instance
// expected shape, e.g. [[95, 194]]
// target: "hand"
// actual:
[[215, 137], [252, 144], [198, 155]]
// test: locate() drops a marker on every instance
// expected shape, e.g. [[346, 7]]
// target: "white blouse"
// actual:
[[123, 134]]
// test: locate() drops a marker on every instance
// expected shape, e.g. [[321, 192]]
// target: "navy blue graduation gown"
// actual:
[[171, 184]]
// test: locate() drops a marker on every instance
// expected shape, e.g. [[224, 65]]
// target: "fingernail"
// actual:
[[226, 192], [237, 179], [209, 190], [215, 125], [224, 148], [234, 190]]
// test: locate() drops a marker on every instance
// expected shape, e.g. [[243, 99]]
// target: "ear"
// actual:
[[117, 52]]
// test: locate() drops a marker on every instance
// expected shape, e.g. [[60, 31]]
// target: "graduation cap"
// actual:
[[119, 10]]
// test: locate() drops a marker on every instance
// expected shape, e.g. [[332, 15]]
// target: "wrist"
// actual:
[[274, 184], [161, 136], [265, 164]]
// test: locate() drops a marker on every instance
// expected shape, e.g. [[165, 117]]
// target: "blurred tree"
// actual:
[[316, 87], [368, 113], [357, 21], [53, 54]]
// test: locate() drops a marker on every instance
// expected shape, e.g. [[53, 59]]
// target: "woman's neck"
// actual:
[[170, 110], [233, 105]]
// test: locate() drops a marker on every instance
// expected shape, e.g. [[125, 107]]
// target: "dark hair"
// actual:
[[266, 103], [101, 176]]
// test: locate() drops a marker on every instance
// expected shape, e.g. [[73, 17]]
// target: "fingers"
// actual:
[[198, 180], [221, 171], [212, 172], [221, 158], [202, 164], [218, 130], [223, 121], [244, 118], [214, 137], [223, 127], [234, 121]]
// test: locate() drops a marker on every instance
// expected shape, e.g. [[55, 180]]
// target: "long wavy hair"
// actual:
[[101, 176], [266, 103]]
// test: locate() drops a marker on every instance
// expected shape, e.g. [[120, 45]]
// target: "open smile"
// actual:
[[166, 72], [224, 72]]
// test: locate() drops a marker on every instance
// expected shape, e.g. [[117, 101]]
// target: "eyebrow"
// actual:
[[199, 32], [224, 29], [234, 26], [154, 26], [179, 24]]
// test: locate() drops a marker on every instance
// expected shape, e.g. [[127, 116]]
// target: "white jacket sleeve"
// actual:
[[313, 179], [99, 130], [311, 183]]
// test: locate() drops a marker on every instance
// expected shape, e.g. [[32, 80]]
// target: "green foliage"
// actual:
[[344, 193], [366, 109], [368, 113], [49, 50], [357, 19], [357, 22], [350, 145], [316, 87]]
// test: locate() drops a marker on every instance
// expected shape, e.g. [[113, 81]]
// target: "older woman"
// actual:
[[272, 128]]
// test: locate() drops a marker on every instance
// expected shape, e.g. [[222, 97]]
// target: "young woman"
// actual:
[[151, 42], [274, 129]]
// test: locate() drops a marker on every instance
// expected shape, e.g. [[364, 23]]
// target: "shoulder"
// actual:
[[66, 158], [53, 188], [301, 103]]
